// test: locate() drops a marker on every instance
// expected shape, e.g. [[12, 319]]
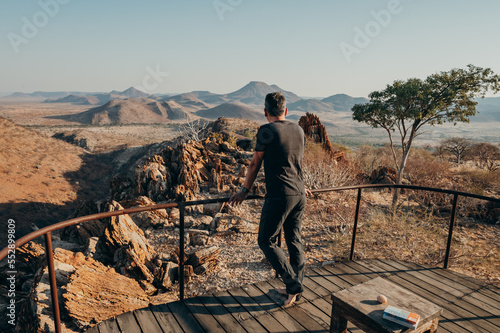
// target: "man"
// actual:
[[280, 145]]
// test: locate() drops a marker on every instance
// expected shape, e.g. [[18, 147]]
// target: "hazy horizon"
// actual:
[[315, 48]]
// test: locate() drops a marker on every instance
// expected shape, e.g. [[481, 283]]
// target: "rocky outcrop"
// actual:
[[89, 292], [96, 292], [182, 173], [313, 128], [157, 218], [383, 175], [123, 243]]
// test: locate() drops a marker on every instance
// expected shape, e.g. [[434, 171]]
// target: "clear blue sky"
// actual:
[[101, 45]]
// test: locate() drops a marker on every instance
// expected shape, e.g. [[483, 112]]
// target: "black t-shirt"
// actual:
[[283, 145]]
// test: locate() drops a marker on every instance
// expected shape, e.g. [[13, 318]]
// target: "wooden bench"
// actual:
[[358, 304]]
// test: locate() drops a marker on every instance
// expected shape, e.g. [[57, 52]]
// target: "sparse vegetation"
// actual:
[[457, 146], [320, 171], [407, 106], [193, 129]]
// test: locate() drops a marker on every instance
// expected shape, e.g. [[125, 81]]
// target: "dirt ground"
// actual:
[[43, 180]]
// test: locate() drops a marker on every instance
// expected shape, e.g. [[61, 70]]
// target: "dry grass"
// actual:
[[321, 172], [416, 235]]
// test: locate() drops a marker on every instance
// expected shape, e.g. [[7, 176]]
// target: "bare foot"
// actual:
[[291, 299]]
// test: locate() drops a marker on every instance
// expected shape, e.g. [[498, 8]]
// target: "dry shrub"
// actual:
[[415, 236], [368, 158], [327, 226], [480, 181], [320, 171], [423, 169]]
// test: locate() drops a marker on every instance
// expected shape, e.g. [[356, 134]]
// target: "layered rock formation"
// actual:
[[313, 128], [182, 173]]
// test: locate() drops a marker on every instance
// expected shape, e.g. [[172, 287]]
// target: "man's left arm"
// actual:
[[253, 170]]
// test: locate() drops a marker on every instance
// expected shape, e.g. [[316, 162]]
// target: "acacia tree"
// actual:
[[406, 106], [487, 154], [457, 146]]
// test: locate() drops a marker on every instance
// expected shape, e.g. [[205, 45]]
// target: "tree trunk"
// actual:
[[395, 197]]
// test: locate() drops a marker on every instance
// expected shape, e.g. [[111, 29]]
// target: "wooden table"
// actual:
[[358, 304]]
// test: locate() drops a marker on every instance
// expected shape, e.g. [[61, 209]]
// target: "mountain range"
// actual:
[[246, 102]]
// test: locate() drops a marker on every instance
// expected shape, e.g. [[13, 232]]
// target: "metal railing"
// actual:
[[47, 231]]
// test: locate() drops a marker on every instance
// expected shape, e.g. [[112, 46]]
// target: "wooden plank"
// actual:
[[481, 303], [328, 281], [370, 266], [320, 316], [185, 319], [272, 301], [109, 326], [315, 288], [446, 325], [362, 268], [324, 304], [359, 304], [452, 311], [347, 273], [220, 313], [307, 293], [493, 288], [264, 318], [451, 295], [489, 293], [432, 280], [165, 318], [127, 323], [446, 322], [462, 285], [203, 316], [295, 313], [495, 302], [238, 312], [147, 321]]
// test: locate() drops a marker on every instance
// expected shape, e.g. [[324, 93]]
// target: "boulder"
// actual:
[[383, 175], [123, 243], [147, 219], [96, 292]]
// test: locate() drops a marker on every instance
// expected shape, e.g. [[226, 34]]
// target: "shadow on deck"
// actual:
[[469, 305]]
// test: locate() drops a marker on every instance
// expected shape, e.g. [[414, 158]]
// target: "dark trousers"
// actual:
[[284, 212]]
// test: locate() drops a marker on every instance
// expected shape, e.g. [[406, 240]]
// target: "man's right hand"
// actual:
[[237, 198]]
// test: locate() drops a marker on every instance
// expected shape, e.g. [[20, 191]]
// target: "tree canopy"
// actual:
[[406, 106]]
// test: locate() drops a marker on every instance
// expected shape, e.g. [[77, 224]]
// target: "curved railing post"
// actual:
[[355, 227], [52, 279], [450, 229], [182, 209]]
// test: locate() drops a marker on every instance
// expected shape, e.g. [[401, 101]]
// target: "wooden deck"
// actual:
[[469, 305]]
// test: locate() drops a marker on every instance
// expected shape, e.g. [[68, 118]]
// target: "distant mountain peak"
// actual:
[[133, 92], [254, 92]]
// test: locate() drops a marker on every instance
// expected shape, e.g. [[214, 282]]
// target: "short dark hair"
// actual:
[[275, 104]]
